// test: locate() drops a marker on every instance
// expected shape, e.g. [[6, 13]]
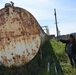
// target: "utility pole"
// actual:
[[57, 30]]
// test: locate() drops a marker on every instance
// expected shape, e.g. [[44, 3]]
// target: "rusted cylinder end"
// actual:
[[20, 36]]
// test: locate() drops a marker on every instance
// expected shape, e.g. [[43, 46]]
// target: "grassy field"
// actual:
[[59, 49]]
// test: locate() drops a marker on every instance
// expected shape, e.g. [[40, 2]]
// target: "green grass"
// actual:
[[59, 49]]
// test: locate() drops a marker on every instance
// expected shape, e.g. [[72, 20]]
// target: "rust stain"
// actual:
[[23, 59], [7, 10], [9, 60], [28, 54], [4, 59], [19, 31], [16, 58], [33, 53], [2, 19], [15, 19]]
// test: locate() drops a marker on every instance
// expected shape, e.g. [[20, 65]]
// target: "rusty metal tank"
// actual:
[[20, 36]]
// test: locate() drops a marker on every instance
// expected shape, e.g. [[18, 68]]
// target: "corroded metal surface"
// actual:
[[20, 36]]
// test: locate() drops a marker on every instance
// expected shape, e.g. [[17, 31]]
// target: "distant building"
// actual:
[[52, 36]]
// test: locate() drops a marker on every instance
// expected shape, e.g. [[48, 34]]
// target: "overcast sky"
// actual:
[[43, 11]]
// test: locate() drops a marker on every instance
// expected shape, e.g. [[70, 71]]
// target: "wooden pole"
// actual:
[[57, 31]]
